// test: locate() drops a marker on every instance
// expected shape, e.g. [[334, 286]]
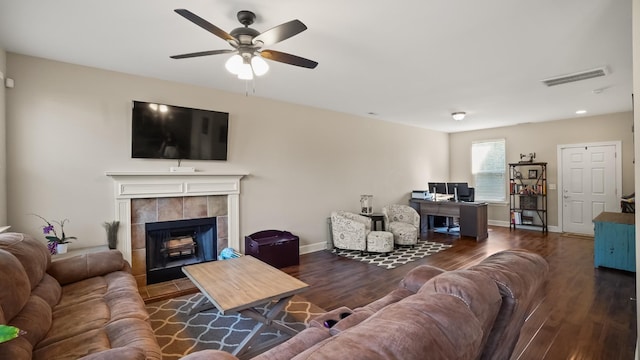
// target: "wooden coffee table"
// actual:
[[241, 284]]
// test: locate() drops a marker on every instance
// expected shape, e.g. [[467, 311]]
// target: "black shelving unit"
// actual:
[[528, 195]]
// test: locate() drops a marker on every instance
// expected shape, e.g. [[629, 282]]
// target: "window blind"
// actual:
[[489, 170]]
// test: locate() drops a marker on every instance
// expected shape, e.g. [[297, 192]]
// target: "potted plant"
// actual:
[[57, 244], [112, 233]]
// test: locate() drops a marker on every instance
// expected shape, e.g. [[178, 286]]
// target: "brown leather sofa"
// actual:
[[475, 313], [84, 307]]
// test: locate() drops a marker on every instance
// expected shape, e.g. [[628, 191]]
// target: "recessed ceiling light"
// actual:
[[580, 112], [457, 116], [372, 113]]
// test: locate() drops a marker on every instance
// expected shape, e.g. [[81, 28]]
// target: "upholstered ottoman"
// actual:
[[380, 241], [403, 233]]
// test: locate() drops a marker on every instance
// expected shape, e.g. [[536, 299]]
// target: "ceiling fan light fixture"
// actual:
[[457, 116], [248, 43], [260, 67], [245, 73], [234, 64]]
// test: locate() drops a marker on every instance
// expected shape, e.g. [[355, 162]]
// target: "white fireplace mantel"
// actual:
[[136, 184]]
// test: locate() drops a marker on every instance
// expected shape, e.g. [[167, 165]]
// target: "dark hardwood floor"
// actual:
[[588, 313]]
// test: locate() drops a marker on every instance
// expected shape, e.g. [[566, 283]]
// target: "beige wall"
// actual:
[[68, 124], [543, 139]]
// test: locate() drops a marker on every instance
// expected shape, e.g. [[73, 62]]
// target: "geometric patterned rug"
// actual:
[[179, 333], [400, 255]]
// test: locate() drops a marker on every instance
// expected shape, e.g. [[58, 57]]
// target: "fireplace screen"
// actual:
[[173, 244]]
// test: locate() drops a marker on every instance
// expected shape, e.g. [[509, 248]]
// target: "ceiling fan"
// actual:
[[248, 44]]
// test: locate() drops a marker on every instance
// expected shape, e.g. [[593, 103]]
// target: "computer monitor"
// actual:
[[462, 188], [440, 187]]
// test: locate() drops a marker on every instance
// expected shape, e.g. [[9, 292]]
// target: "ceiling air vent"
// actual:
[[579, 76]]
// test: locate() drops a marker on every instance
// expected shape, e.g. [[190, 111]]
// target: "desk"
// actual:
[[473, 216]]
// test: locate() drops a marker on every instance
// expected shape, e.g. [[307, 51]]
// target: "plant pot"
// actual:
[[61, 248]]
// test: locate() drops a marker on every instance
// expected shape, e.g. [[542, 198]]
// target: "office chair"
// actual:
[[469, 197]]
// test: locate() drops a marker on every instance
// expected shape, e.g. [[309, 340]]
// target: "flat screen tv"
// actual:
[[162, 131]]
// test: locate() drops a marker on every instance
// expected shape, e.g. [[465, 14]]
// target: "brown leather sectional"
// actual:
[[475, 313], [83, 307]]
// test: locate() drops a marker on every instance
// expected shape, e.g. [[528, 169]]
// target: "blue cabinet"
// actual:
[[615, 241]]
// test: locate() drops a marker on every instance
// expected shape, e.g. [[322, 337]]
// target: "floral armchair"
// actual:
[[403, 222], [350, 230]]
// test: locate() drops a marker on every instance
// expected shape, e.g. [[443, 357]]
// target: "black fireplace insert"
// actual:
[[170, 245]]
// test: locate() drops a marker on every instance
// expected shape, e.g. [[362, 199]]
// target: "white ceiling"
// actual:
[[410, 61]]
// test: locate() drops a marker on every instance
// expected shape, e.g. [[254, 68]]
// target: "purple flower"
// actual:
[[50, 233]]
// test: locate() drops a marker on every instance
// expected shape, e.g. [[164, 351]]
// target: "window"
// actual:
[[489, 170]]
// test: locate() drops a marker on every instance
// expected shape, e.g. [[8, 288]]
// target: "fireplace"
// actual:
[[142, 197], [173, 244]]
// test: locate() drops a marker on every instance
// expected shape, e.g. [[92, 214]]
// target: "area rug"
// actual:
[[179, 333], [400, 256]]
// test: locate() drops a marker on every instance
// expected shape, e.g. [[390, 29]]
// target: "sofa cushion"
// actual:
[[82, 291], [74, 347], [86, 266], [125, 303], [119, 280], [16, 349], [32, 254], [128, 353], [520, 276], [415, 278], [15, 287], [320, 320], [352, 320], [70, 321], [49, 290], [415, 328], [35, 319], [297, 344], [133, 332], [477, 290]]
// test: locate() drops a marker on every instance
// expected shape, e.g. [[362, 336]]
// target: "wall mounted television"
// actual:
[[160, 131]]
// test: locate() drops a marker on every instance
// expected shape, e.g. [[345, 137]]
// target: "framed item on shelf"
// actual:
[[528, 202], [533, 173]]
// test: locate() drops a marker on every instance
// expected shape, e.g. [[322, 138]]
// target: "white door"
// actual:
[[589, 185]]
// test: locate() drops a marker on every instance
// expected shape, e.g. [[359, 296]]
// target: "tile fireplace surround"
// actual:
[[161, 196]]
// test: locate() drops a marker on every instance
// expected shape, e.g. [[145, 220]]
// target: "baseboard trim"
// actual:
[[506, 224], [319, 246]]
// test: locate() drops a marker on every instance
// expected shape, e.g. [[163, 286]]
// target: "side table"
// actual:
[[376, 218]]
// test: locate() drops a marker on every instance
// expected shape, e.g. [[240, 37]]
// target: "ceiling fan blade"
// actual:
[[206, 25], [288, 59], [280, 32], [202, 53]]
